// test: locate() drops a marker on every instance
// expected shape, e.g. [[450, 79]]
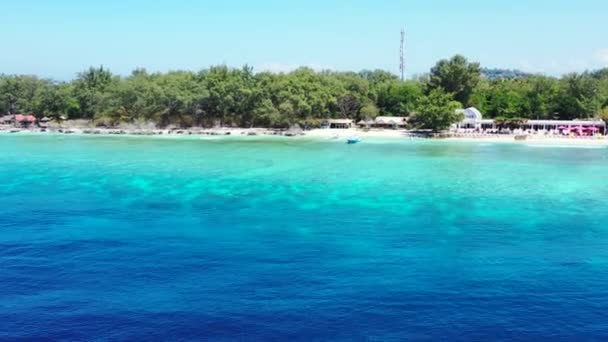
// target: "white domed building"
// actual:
[[472, 118]]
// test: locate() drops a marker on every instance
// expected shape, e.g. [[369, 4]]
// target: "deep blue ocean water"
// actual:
[[120, 238]]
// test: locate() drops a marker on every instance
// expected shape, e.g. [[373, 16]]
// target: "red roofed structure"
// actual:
[[24, 119]]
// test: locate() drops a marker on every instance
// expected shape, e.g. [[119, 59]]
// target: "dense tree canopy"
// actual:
[[456, 76], [226, 96], [436, 111]]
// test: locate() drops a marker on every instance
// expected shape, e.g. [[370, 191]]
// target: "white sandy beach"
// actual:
[[323, 134], [535, 140], [403, 134]]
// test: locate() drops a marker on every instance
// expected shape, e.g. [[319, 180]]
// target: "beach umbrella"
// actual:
[[562, 127], [575, 128]]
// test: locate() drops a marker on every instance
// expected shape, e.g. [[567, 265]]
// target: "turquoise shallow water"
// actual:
[[119, 238]]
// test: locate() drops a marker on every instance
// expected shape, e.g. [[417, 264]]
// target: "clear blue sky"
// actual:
[[61, 37]]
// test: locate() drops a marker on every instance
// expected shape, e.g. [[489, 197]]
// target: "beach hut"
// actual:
[[365, 123], [340, 123], [45, 121], [24, 119], [393, 122]]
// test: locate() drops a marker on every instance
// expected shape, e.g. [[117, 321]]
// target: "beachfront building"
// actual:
[[365, 123], [24, 119], [391, 122], [566, 127], [19, 120], [473, 121], [340, 123]]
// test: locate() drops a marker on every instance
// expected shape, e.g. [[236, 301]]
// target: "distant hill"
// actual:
[[502, 74]]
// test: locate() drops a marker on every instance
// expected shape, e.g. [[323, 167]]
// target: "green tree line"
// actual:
[[239, 97]]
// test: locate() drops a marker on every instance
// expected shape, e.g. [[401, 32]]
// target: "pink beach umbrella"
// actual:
[[593, 129], [578, 128]]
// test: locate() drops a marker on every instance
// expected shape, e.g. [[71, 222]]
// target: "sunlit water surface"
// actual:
[[183, 239]]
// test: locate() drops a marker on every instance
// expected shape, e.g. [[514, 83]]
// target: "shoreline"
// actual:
[[317, 134]]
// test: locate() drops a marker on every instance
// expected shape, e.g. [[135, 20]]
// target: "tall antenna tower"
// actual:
[[402, 56]]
